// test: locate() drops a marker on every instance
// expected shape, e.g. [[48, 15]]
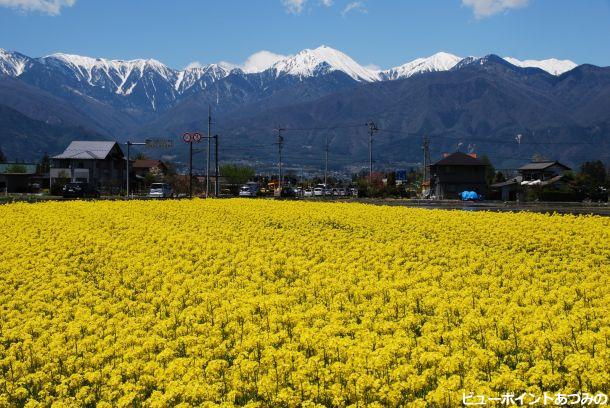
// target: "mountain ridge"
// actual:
[[445, 96]]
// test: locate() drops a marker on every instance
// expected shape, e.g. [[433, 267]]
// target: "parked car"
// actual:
[[79, 189], [225, 193], [284, 192], [308, 192], [160, 190], [247, 191], [341, 192], [318, 191]]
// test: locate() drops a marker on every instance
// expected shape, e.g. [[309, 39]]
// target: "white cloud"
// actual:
[[294, 6], [486, 8], [260, 61], [354, 6], [257, 62], [297, 6], [51, 7], [373, 67]]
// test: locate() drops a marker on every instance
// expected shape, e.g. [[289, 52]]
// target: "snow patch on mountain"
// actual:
[[119, 74], [12, 64], [552, 66], [203, 74], [440, 61]]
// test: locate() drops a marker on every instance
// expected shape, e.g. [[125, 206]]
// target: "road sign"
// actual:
[[159, 143], [192, 137]]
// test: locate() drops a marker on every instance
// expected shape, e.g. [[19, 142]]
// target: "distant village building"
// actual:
[[143, 168], [543, 171], [148, 171], [17, 177], [455, 173], [99, 163], [542, 174]]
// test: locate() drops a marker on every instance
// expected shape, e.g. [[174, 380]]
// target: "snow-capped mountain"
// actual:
[[552, 66], [320, 61], [441, 61], [63, 95], [123, 77], [200, 75], [119, 76], [13, 63]]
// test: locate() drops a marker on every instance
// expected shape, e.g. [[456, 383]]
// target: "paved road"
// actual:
[[602, 209]]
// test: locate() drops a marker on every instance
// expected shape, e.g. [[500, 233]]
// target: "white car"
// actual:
[[318, 192], [308, 192], [247, 191], [160, 190]]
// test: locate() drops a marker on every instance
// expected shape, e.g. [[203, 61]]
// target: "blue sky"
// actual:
[[381, 32]]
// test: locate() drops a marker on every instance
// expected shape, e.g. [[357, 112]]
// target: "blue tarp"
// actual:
[[469, 195]]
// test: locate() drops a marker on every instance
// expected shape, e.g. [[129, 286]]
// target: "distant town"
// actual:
[[94, 169]]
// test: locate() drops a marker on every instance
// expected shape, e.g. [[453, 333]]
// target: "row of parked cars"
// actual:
[[79, 189], [323, 191], [164, 190], [252, 190]]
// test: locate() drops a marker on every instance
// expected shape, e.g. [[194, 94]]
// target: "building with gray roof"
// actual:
[[101, 163]]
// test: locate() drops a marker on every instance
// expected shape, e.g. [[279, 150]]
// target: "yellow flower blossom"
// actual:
[[263, 303]]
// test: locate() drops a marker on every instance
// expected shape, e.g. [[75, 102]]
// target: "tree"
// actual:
[[16, 168], [2, 157], [391, 179], [45, 164], [236, 174], [592, 180], [490, 170], [499, 177]]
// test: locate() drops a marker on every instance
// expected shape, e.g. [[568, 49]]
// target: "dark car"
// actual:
[[80, 190], [286, 192]]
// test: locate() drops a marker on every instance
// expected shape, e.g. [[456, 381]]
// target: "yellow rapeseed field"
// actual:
[[288, 304]]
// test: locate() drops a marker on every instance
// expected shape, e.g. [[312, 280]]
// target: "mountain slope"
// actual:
[[484, 105], [23, 138]]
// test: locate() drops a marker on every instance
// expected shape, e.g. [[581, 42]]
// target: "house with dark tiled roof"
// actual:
[[542, 170], [539, 174], [455, 173], [148, 171]]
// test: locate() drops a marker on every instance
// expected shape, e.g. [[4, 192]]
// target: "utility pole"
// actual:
[[127, 166], [426, 149], [207, 173], [127, 169], [280, 146], [216, 191], [372, 129], [326, 161], [190, 169], [190, 138]]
